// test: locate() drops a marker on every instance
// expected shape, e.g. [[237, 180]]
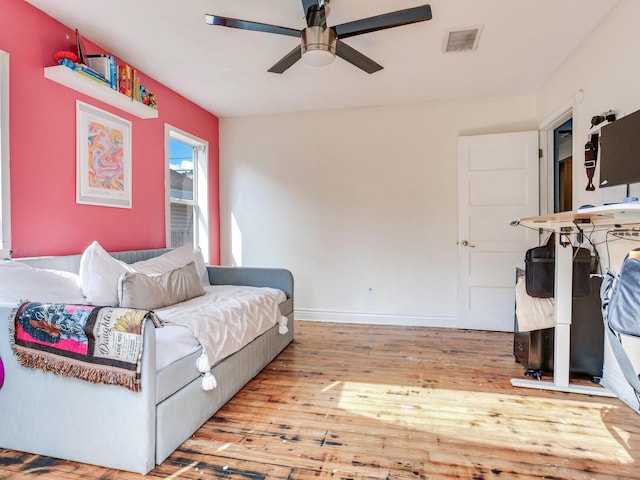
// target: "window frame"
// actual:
[[5, 183], [200, 187]]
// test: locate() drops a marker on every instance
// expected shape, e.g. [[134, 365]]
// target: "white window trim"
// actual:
[[201, 186], [5, 184], [546, 128]]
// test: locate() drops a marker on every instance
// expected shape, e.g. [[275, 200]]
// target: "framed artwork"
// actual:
[[103, 158]]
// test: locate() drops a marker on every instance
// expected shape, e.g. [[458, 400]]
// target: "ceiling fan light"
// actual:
[[318, 46], [318, 58]]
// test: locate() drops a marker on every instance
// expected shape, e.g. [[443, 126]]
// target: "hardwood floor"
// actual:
[[377, 402]]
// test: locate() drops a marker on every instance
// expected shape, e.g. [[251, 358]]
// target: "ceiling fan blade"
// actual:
[[386, 20], [356, 58], [285, 62], [248, 25]]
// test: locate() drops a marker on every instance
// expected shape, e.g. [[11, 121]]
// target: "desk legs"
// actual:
[[562, 312], [584, 389]]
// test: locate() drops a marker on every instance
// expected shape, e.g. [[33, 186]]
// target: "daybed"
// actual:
[[112, 426]]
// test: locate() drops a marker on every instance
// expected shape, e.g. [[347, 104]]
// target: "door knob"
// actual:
[[465, 243]]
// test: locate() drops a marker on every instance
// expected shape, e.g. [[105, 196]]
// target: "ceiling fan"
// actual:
[[320, 43]]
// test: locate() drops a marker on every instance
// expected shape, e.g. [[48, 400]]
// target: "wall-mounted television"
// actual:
[[620, 151]]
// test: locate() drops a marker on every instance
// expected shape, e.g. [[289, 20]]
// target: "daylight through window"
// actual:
[[187, 190]]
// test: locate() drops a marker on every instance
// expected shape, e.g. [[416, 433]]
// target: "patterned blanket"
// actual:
[[97, 344]]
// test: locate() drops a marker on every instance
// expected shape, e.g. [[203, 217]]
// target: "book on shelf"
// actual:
[[91, 73], [135, 88], [105, 65], [121, 77], [124, 79]]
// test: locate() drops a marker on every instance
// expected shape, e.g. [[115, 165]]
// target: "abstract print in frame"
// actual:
[[103, 158]]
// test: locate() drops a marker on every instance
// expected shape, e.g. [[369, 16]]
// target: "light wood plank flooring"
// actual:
[[377, 402]]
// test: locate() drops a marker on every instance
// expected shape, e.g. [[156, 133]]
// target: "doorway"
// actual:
[[497, 183], [556, 161], [563, 167]]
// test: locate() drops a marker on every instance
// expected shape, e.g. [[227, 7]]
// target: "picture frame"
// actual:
[[103, 158]]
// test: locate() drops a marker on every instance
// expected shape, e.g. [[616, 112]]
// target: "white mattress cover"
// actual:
[[174, 342]]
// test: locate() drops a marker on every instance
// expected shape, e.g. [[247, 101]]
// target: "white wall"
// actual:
[[359, 204], [606, 67]]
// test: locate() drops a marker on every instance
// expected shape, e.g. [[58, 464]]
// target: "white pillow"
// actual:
[[19, 281], [149, 291], [99, 275], [173, 259], [166, 262]]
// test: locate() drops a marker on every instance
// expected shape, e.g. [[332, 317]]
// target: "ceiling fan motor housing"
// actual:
[[316, 42]]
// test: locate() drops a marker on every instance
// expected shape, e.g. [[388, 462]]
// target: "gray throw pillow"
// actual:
[[150, 291]]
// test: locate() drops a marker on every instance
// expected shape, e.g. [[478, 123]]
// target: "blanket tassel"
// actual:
[[208, 380]]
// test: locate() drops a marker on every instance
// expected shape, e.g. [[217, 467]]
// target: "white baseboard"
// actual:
[[374, 318]]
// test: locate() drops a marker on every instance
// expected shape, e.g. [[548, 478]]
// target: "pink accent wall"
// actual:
[[45, 218]]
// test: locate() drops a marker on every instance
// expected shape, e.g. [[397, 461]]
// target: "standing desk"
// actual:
[[565, 224]]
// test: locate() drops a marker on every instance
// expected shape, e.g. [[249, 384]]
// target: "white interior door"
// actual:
[[497, 183]]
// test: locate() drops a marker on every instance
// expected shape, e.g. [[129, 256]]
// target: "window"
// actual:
[[5, 210], [187, 214]]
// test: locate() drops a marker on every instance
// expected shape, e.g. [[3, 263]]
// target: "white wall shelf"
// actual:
[[72, 79]]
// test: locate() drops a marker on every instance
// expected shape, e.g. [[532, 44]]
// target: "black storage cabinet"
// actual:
[[534, 349]]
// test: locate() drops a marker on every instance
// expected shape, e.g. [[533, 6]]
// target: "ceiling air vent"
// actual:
[[462, 40]]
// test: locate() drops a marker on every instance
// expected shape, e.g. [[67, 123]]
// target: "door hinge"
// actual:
[[540, 153]]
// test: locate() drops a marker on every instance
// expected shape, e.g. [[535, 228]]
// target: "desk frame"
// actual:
[[565, 224]]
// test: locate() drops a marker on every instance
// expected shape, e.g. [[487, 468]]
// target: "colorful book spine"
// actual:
[[121, 79], [129, 80], [135, 86], [114, 72], [125, 80]]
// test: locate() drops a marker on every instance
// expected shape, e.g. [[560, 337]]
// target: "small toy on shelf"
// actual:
[[144, 95], [68, 59]]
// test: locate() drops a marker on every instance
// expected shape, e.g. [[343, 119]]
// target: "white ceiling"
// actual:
[[224, 70]]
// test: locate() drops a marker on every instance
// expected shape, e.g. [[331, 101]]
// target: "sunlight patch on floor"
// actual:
[[569, 428]]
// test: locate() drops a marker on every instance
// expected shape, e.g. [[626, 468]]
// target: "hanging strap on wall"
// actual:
[[591, 159], [593, 145]]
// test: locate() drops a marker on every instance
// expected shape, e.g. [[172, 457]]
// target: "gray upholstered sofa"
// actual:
[[111, 426]]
